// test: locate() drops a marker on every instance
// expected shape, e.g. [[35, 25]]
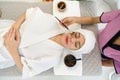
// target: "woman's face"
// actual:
[[73, 41]]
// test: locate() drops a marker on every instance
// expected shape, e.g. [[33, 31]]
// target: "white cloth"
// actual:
[[118, 3], [40, 57], [38, 26], [40, 53], [37, 51]]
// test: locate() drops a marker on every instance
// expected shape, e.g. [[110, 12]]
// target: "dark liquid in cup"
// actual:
[[61, 5], [70, 60]]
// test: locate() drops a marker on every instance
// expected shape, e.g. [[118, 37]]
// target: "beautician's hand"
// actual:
[[12, 40], [69, 20], [87, 20]]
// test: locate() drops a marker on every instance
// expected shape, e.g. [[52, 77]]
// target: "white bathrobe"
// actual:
[[38, 52]]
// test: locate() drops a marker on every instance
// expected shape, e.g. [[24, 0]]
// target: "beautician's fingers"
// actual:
[[67, 21]]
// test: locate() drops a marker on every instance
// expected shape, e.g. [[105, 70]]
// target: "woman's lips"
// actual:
[[66, 39]]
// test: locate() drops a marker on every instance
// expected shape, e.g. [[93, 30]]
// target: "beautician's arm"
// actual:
[[12, 42], [81, 20]]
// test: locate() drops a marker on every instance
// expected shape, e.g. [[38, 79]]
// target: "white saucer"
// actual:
[[114, 76]]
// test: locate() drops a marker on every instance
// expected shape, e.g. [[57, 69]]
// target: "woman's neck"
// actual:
[[117, 41], [57, 39]]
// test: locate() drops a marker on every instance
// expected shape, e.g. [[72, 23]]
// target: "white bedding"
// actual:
[[13, 70], [118, 3]]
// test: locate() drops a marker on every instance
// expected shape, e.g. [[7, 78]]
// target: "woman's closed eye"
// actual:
[[75, 34], [77, 43]]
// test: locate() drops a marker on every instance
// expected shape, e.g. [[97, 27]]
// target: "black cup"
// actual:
[[70, 60], [61, 6]]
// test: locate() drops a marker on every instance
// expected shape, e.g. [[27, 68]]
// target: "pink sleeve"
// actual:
[[112, 53], [106, 17], [115, 55]]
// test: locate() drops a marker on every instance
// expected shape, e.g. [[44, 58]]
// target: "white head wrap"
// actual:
[[90, 41]]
